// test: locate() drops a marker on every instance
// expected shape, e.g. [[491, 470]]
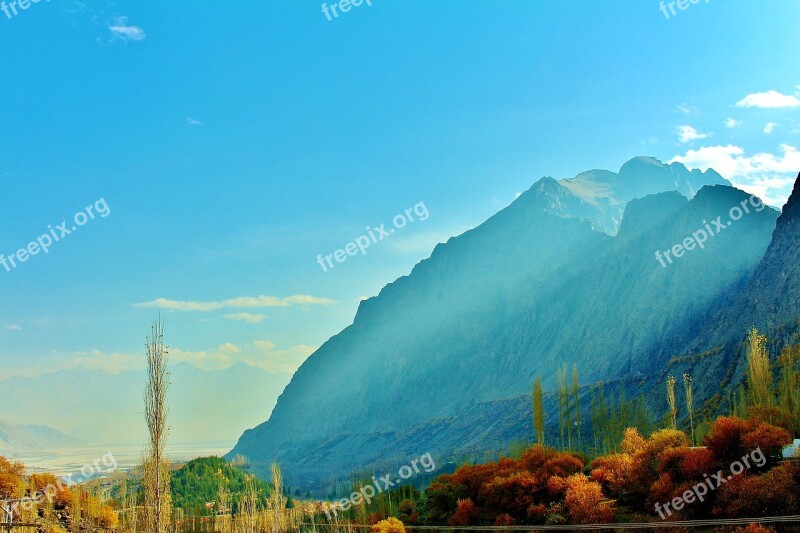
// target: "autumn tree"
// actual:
[[564, 411], [673, 410], [687, 387], [759, 371], [576, 404], [158, 505], [538, 410], [789, 393], [585, 502]]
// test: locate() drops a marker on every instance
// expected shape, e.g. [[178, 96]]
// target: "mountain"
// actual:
[[604, 194], [769, 301], [15, 438], [437, 360], [108, 407]]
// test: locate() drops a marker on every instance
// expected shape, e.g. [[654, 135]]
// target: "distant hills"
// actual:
[[69, 399], [442, 360], [17, 438]]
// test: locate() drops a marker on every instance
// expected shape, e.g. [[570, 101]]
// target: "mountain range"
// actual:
[[16, 438], [442, 360], [108, 408]]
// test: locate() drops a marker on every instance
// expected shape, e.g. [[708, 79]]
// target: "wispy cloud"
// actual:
[[305, 299], [286, 361], [250, 318], [193, 122], [768, 176], [242, 302], [264, 354], [122, 30], [688, 133], [686, 109], [732, 123], [770, 127], [14, 327], [769, 100]]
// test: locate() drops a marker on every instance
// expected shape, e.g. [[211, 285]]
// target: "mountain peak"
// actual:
[[791, 211]]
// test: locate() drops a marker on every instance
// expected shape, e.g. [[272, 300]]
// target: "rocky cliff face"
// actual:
[[442, 360]]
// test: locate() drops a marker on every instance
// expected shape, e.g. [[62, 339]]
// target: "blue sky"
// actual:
[[234, 142]]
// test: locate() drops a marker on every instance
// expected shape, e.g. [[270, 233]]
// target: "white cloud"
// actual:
[[262, 353], [242, 302], [687, 134], [305, 299], [732, 123], [770, 127], [120, 29], [768, 176], [686, 109], [193, 122], [14, 327], [284, 361], [250, 318], [229, 347], [769, 100]]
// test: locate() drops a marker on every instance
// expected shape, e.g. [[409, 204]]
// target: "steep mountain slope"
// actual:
[[470, 328], [770, 301]]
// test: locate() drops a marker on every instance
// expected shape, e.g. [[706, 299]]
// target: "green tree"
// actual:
[[538, 410]]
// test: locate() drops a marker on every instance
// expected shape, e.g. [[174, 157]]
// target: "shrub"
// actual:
[[612, 472], [390, 525], [584, 501], [465, 513]]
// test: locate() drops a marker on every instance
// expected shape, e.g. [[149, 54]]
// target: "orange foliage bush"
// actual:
[[108, 517], [731, 438], [62, 497], [512, 494], [772, 494], [632, 441], [390, 525], [612, 472], [465, 513], [11, 481], [584, 501]]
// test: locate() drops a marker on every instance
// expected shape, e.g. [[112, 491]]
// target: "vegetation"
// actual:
[[625, 477], [200, 482], [155, 466]]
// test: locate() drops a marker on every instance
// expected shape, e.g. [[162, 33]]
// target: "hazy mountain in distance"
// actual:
[[604, 194], [205, 406], [16, 438], [528, 290], [769, 301]]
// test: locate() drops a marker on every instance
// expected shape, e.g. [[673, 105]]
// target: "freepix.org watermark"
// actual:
[[103, 466], [683, 5], [11, 7], [42, 244], [343, 6], [367, 492], [360, 244], [701, 236], [699, 491]]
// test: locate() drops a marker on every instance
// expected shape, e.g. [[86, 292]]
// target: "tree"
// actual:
[[789, 395], [538, 410], [673, 410], [390, 525], [564, 412], [759, 372], [155, 466], [687, 386], [584, 501], [576, 403]]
